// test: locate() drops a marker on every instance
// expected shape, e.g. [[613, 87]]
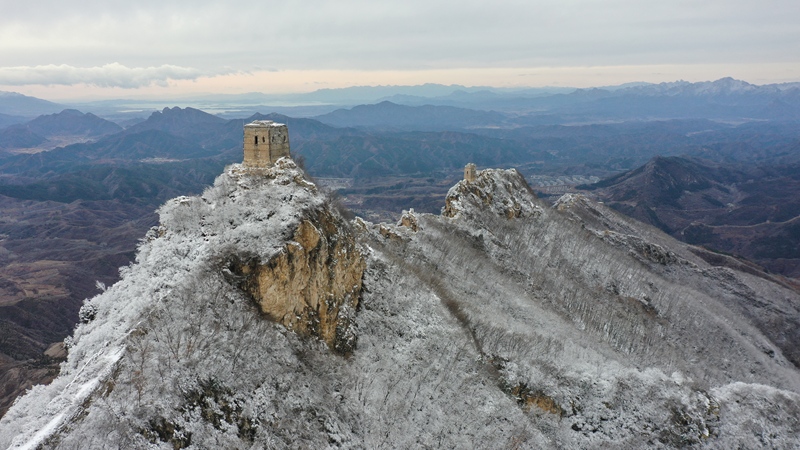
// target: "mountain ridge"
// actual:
[[69, 125], [388, 115], [17, 104], [504, 320], [73, 122], [748, 210]]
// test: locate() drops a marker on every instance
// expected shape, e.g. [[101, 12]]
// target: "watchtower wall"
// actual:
[[264, 143], [470, 173]]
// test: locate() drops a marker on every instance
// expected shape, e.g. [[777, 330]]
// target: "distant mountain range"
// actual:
[[391, 116], [67, 125], [17, 137], [724, 99], [6, 120], [71, 122], [750, 211], [15, 104]]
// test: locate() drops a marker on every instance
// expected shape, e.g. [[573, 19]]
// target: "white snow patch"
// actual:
[[43, 434]]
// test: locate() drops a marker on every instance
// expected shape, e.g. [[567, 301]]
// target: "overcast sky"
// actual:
[[63, 49]]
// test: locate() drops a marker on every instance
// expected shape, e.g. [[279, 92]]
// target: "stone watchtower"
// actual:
[[264, 143], [470, 173]]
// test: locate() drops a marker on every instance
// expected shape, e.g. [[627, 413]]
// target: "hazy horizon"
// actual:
[[289, 98], [151, 49]]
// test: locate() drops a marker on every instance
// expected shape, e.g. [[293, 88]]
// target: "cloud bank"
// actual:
[[108, 75], [154, 41]]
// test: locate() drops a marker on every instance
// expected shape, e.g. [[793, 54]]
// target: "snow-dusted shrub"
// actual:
[[87, 313]]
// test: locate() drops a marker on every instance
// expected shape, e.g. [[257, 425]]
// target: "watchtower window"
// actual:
[[263, 139], [256, 140]]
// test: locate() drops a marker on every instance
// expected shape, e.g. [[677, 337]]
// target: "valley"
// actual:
[[745, 210]]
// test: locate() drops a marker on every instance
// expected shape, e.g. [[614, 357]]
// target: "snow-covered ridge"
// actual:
[[246, 210], [721, 87], [501, 323]]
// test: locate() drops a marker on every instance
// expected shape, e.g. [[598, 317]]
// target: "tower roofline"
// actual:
[[264, 123]]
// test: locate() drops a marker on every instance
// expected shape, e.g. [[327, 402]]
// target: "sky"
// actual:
[[92, 49]]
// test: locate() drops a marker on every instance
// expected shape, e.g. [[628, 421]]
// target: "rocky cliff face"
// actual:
[[503, 323], [259, 250], [313, 285]]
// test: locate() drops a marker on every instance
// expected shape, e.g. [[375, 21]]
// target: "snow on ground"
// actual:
[[507, 324]]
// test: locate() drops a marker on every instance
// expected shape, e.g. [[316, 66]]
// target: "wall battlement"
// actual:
[[264, 143]]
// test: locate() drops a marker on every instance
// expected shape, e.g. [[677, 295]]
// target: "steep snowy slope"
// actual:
[[502, 323]]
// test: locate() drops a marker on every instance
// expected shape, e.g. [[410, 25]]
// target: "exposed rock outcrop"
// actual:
[[409, 220], [313, 285], [504, 192]]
